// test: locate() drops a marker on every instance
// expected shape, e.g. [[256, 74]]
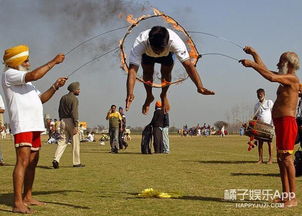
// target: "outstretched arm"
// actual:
[[50, 92], [130, 85], [192, 72], [256, 57], [284, 79], [41, 71]]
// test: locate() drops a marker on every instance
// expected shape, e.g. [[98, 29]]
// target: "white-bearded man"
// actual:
[[283, 114], [25, 109]]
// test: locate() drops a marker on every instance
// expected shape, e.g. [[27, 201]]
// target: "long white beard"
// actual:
[[284, 69], [21, 68]]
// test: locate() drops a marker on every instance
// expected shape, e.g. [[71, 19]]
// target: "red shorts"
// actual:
[[31, 139], [286, 130]]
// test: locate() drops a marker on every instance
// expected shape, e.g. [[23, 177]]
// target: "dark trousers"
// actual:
[[121, 140], [157, 140]]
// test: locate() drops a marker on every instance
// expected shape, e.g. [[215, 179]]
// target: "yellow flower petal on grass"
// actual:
[[164, 195], [151, 193], [148, 192]]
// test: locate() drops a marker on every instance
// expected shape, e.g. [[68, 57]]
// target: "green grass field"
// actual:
[[199, 169]]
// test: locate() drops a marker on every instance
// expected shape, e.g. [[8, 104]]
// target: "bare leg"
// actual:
[[148, 70], [290, 168], [260, 152], [29, 180], [270, 159], [23, 158], [165, 76], [283, 173]]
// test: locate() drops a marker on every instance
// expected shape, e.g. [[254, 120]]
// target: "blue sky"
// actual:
[[271, 27]]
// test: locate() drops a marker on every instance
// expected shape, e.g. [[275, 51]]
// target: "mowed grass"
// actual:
[[198, 168]]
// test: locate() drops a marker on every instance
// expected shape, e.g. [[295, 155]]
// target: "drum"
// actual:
[[259, 130]]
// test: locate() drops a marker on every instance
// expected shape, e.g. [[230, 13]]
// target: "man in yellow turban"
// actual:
[[15, 56], [25, 109]]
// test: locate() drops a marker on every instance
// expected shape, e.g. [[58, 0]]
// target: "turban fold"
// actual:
[[73, 86], [158, 104], [15, 56]]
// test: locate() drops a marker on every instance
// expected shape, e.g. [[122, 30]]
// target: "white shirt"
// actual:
[[1, 103], [90, 137], [142, 46], [24, 104], [265, 111]]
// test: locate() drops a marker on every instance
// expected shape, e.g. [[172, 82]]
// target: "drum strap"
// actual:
[[257, 111]]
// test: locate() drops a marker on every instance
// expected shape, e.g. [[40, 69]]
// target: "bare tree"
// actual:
[[220, 124]]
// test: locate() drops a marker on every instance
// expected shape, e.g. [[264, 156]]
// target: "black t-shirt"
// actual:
[[158, 118]]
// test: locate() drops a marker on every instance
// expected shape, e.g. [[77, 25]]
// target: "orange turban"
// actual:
[[158, 104], [15, 56]]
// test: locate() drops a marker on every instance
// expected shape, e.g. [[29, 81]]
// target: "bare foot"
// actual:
[[33, 202], [147, 103], [291, 203], [165, 104], [278, 200], [270, 162], [129, 100], [259, 161], [21, 208]]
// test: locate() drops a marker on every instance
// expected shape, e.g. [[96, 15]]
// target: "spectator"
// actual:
[[158, 123], [166, 143], [89, 138], [3, 135], [122, 138], [69, 116], [52, 128], [222, 131], [263, 112], [2, 128], [241, 131], [47, 126], [299, 119], [81, 132], [114, 118]]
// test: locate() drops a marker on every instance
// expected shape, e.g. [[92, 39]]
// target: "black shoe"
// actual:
[[55, 164], [114, 150], [2, 163], [79, 165]]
